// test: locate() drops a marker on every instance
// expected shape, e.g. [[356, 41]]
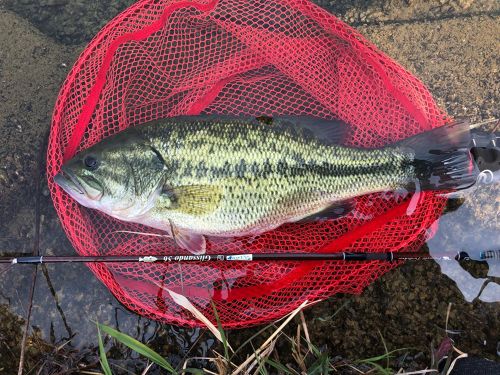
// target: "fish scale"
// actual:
[[287, 175]]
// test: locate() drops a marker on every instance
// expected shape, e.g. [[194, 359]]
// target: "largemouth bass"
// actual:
[[219, 176]]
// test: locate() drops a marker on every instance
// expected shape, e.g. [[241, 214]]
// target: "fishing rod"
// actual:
[[341, 256]]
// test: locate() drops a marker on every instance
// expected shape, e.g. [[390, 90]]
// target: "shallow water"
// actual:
[[475, 228], [459, 71]]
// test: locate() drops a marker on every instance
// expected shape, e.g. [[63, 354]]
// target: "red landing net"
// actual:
[[166, 58]]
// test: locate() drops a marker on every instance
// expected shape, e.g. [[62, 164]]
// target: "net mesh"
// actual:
[[165, 58]]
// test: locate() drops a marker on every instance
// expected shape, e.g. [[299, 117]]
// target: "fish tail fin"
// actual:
[[443, 160]]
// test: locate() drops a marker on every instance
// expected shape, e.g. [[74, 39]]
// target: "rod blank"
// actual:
[[341, 256]]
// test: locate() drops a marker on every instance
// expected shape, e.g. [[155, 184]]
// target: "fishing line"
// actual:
[[485, 122], [6, 268]]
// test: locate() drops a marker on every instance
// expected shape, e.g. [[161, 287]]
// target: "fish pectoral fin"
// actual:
[[193, 199], [336, 210], [193, 242]]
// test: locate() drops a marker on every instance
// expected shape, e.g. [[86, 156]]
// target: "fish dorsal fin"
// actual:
[[193, 199], [330, 132], [266, 120], [195, 243], [334, 211]]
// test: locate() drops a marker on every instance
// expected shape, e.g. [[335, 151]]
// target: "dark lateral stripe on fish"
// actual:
[[283, 168]]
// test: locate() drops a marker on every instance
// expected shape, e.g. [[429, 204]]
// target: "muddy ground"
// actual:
[[452, 46]]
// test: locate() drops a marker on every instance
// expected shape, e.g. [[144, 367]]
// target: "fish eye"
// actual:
[[91, 162]]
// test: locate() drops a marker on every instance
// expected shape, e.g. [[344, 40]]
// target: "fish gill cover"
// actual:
[[161, 59]]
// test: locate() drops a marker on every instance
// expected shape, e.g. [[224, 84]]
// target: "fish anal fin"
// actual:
[[336, 210], [193, 199]]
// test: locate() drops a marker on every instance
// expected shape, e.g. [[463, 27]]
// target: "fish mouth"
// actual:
[[68, 181]]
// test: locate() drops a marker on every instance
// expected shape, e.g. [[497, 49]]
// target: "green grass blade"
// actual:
[[138, 347], [262, 368], [278, 366], [374, 359], [245, 343], [222, 332], [317, 353], [194, 371], [380, 370], [382, 356], [102, 355], [385, 348], [320, 366], [330, 318]]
